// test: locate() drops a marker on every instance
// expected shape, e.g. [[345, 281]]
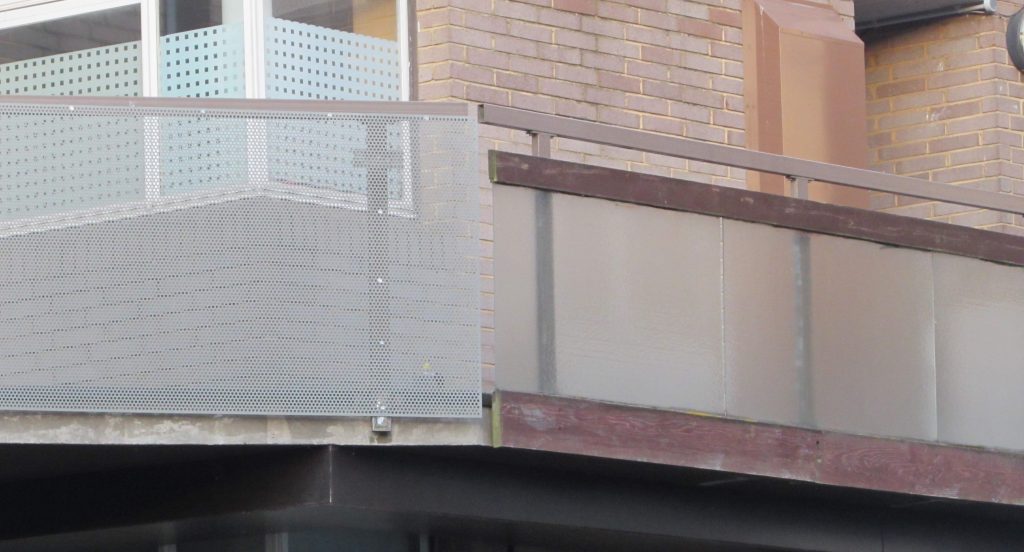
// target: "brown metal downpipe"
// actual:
[[804, 92]]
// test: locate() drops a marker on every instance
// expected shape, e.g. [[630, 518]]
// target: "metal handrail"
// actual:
[[544, 127], [310, 106]]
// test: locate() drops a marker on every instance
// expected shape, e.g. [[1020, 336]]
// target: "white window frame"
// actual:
[[19, 13], [404, 45], [27, 12]]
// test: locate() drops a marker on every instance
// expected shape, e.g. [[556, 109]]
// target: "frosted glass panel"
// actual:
[[104, 71], [765, 313], [979, 325], [637, 309], [303, 60], [93, 54], [516, 337], [203, 63], [312, 62], [196, 152], [872, 338]]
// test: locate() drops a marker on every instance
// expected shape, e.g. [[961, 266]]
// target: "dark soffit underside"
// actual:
[[879, 13]]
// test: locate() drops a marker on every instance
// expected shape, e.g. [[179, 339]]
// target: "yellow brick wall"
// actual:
[[667, 66], [944, 104]]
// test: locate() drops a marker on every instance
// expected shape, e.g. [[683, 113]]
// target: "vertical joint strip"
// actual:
[[540, 143], [805, 374], [150, 47], [378, 270], [546, 368]]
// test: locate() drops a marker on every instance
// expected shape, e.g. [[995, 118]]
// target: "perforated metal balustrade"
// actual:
[[265, 261]]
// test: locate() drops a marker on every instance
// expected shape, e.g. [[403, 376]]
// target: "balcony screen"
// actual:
[[239, 261]]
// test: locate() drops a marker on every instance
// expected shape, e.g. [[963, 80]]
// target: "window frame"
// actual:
[[20, 13]]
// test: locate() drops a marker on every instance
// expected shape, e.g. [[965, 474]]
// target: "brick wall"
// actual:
[[944, 103], [671, 66], [667, 66]]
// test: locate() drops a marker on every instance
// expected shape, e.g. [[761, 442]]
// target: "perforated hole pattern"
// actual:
[[204, 63], [302, 62], [257, 263], [105, 71], [307, 61]]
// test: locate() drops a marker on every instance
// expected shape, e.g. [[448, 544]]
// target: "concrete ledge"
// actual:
[[119, 429]]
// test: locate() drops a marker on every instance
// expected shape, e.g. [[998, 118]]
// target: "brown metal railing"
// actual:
[[543, 127]]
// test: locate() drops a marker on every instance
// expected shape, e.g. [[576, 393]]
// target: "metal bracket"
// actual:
[[380, 424], [540, 143], [799, 186]]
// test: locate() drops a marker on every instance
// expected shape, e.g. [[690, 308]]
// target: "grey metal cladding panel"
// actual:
[[299, 293], [515, 289], [225, 321], [763, 323], [637, 304], [979, 323], [872, 338]]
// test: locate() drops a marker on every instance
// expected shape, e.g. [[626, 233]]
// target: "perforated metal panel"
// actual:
[[56, 162], [203, 63], [251, 288], [201, 153], [307, 61], [105, 71], [207, 62]]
